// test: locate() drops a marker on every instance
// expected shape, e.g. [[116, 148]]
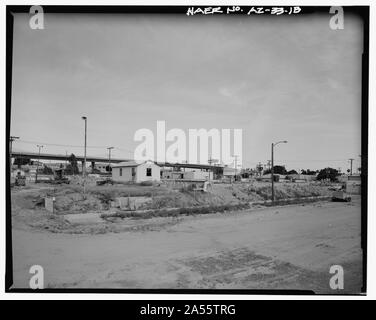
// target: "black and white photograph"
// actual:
[[187, 149]]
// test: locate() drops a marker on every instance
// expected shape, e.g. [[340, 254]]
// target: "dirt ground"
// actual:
[[289, 247]]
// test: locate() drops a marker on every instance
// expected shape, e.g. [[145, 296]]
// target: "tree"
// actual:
[[308, 172], [21, 161], [292, 172], [72, 167], [277, 170], [328, 173]]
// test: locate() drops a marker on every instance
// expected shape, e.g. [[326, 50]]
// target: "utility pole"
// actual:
[[109, 158], [272, 172], [212, 163], [11, 139], [236, 166], [272, 169], [84, 166], [361, 165], [351, 162], [36, 173]]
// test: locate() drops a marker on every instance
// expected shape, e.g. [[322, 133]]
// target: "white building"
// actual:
[[131, 171]]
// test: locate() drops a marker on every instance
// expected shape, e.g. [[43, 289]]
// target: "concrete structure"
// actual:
[[49, 156], [131, 171], [218, 170]]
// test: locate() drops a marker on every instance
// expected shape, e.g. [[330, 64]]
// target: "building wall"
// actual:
[[126, 174], [141, 172]]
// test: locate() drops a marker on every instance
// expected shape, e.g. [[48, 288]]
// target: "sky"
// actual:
[[276, 78]]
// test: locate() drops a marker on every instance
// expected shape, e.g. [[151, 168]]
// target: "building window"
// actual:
[[148, 172], [121, 172]]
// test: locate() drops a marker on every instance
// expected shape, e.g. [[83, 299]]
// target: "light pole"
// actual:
[[212, 162], [109, 158], [84, 166], [36, 173], [236, 165], [351, 162], [272, 171]]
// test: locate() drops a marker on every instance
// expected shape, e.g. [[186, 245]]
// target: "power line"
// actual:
[[61, 145], [70, 145]]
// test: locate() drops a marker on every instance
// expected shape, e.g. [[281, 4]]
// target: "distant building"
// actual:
[[198, 175], [171, 174], [131, 171], [228, 172]]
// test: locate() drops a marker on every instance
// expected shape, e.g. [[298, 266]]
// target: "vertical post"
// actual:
[[84, 167], [109, 158], [272, 172], [236, 166], [210, 163], [84, 164], [11, 139], [351, 162]]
